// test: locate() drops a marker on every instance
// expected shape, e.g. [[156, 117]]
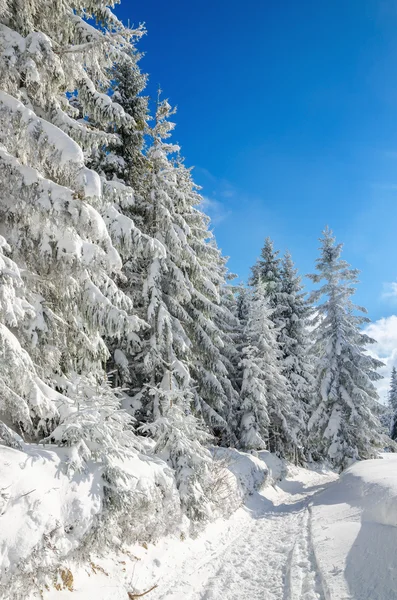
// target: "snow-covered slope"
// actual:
[[298, 535], [262, 551], [56, 527], [355, 532], [51, 515]]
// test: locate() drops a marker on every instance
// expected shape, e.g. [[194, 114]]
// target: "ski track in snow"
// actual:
[[270, 558]]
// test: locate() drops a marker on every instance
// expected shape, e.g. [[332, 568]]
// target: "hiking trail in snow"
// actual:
[[264, 551], [267, 556]]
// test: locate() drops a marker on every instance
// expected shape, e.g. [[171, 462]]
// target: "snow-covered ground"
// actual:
[[355, 532], [263, 551], [308, 536]]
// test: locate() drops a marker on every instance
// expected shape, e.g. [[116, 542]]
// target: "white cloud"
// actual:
[[384, 331], [390, 290]]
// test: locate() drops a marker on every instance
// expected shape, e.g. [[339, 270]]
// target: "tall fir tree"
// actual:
[[62, 226], [343, 426], [267, 270], [295, 343], [393, 404], [183, 289], [281, 287], [267, 415], [258, 362]]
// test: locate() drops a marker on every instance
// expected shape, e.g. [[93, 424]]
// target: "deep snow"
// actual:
[[303, 535], [355, 532], [263, 551]]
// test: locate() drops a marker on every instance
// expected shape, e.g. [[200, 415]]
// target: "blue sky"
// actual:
[[288, 111]]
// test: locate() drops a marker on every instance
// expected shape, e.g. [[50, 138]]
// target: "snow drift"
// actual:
[[52, 518], [355, 532], [49, 514]]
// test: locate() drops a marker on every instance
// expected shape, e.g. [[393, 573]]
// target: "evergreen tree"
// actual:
[[124, 160], [267, 270], [258, 361], [230, 328], [180, 442], [182, 292], [294, 342], [166, 288], [267, 418], [61, 224], [242, 304], [393, 403], [343, 426], [281, 286], [210, 327]]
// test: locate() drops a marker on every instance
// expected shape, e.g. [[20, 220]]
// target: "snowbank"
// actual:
[[44, 514], [251, 471], [55, 525], [244, 556], [50, 516], [354, 530]]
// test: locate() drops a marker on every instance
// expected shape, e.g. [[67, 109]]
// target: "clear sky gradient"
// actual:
[[288, 111]]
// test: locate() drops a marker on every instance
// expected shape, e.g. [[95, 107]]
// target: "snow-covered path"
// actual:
[[267, 556], [263, 551], [314, 536]]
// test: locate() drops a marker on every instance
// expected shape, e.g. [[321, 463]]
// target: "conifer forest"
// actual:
[[146, 392]]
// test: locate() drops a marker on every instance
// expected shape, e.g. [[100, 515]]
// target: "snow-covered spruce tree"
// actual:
[[267, 270], [165, 286], [242, 300], [267, 418], [125, 163], [259, 339], [209, 319], [239, 308], [393, 403], [281, 287], [181, 297], [62, 223], [160, 382], [343, 426], [124, 160], [180, 442], [294, 342], [231, 328]]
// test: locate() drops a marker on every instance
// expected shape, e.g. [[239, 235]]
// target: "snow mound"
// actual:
[[50, 515], [252, 471], [354, 529], [43, 512]]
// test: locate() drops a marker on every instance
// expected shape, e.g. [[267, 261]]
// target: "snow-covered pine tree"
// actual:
[[393, 403], [125, 163], [241, 298], [165, 286], [257, 361], [343, 426], [61, 222], [180, 442], [157, 370], [294, 342], [267, 418], [270, 271], [181, 297], [267, 270], [231, 328], [209, 318], [124, 160]]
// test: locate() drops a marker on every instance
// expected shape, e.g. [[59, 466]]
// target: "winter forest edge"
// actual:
[[125, 344]]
